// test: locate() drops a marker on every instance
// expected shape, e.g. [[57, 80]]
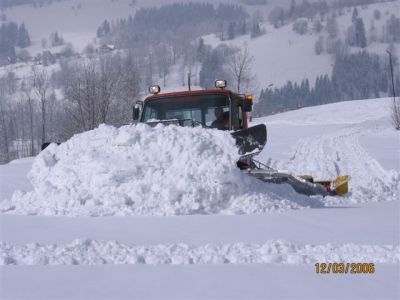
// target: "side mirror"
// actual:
[[136, 110]]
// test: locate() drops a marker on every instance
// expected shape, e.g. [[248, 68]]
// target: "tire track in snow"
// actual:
[[331, 155], [92, 252]]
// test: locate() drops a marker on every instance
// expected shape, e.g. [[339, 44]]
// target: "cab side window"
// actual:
[[237, 114]]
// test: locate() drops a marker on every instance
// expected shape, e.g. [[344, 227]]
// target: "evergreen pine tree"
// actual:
[[12, 33], [201, 50], [106, 27], [244, 27], [392, 30], [255, 30], [360, 37], [354, 16], [56, 39], [292, 8], [231, 31], [23, 37]]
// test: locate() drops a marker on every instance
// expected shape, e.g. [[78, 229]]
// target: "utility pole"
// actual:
[[396, 118], [391, 72], [189, 79]]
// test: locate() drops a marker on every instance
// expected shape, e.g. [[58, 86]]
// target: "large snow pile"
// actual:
[[139, 170]]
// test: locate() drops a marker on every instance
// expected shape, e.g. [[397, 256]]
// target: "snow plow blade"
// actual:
[[341, 185], [337, 187], [301, 184], [251, 141]]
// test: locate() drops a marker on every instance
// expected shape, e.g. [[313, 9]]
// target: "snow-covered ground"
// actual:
[[206, 253], [281, 54]]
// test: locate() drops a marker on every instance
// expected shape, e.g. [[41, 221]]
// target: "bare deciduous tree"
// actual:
[[395, 108], [26, 89], [41, 86], [127, 91], [92, 85], [4, 138], [108, 80], [239, 65]]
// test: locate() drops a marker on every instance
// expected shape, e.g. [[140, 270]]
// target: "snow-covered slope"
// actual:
[[76, 20], [340, 139], [281, 54], [167, 254]]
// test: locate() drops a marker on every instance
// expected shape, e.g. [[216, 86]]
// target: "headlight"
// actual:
[[154, 89], [220, 84]]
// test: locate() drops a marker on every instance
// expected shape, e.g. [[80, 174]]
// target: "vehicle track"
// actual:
[[330, 155]]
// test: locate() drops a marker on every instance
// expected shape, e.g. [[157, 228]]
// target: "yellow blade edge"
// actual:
[[341, 185]]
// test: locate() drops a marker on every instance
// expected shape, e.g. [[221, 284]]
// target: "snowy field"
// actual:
[[133, 230]]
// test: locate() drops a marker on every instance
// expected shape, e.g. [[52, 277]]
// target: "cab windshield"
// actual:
[[209, 110]]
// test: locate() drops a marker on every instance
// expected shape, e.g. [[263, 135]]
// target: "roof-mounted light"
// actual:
[[154, 89], [249, 97], [220, 84], [247, 103]]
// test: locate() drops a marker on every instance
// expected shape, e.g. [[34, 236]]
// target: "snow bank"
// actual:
[[92, 252], [139, 170]]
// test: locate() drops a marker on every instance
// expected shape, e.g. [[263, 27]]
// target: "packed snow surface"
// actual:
[[92, 252], [139, 170]]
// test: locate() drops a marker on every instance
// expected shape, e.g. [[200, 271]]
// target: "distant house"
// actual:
[[106, 48], [48, 58], [38, 59], [45, 58]]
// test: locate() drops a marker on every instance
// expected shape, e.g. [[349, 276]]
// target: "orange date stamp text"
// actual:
[[344, 268]]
